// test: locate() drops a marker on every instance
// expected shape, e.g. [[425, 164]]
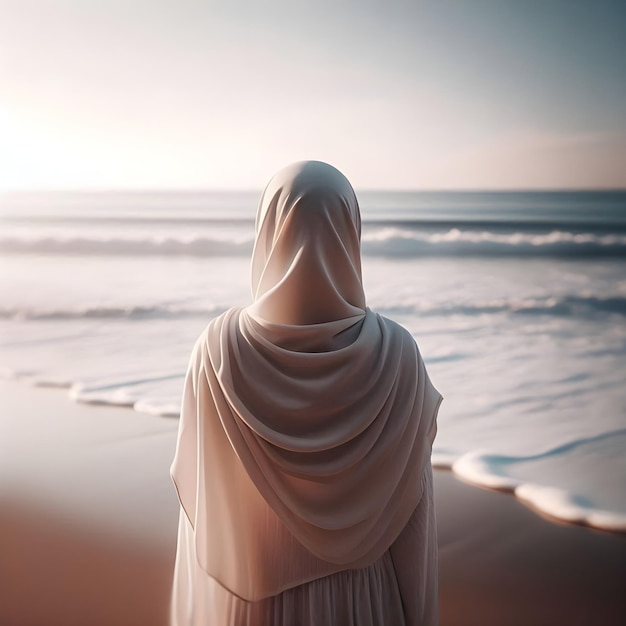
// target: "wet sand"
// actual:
[[501, 564], [88, 520]]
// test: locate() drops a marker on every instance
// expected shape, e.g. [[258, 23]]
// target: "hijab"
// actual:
[[307, 419]]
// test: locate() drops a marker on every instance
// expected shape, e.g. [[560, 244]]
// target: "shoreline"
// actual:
[[501, 564], [88, 521]]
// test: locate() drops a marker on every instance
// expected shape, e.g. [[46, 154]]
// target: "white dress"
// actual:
[[398, 589], [303, 458]]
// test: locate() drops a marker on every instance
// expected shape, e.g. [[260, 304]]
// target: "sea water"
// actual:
[[517, 301]]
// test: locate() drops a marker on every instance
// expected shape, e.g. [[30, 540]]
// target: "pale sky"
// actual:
[[182, 94]]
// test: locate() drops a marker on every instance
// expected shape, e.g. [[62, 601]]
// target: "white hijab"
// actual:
[[307, 420]]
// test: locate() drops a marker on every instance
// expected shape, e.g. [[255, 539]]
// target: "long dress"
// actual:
[[307, 421], [398, 589]]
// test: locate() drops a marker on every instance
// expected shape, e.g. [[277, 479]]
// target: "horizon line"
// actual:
[[201, 190]]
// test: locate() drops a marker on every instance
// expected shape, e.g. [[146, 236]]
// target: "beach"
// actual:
[[517, 302], [144, 198], [88, 521]]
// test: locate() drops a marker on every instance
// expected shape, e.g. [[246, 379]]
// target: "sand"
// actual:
[[88, 522], [501, 564]]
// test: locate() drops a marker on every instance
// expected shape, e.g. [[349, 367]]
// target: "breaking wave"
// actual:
[[500, 472], [385, 242], [565, 305], [110, 313], [455, 242]]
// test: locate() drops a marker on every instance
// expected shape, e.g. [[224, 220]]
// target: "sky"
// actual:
[[398, 94]]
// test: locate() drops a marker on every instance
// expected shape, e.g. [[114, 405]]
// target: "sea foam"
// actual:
[[562, 305], [392, 242], [551, 482], [517, 302]]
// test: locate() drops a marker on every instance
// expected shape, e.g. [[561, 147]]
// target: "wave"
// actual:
[[455, 242], [144, 393], [565, 306], [561, 306], [127, 246], [111, 313], [497, 472], [385, 242], [130, 393], [205, 223], [140, 394]]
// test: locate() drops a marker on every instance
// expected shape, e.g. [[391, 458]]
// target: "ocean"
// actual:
[[516, 299]]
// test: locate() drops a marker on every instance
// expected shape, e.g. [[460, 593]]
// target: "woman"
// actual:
[[307, 421]]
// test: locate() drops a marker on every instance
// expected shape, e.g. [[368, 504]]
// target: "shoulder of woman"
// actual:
[[397, 329], [211, 335]]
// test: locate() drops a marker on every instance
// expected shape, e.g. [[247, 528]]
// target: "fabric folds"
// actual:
[[307, 419]]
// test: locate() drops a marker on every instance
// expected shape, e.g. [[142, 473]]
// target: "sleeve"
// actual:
[[415, 560]]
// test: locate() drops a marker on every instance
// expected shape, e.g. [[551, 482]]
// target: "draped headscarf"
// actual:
[[307, 419]]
